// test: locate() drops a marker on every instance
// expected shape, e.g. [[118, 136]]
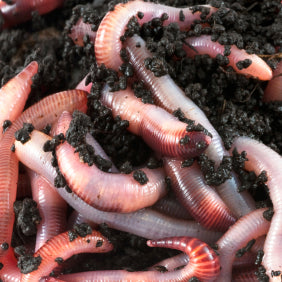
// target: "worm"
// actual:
[[273, 90], [44, 112], [146, 222], [52, 209], [64, 246], [169, 96], [9, 271], [14, 94], [106, 191], [204, 45], [199, 199], [262, 158], [113, 26], [79, 31], [250, 226], [21, 10], [163, 132]]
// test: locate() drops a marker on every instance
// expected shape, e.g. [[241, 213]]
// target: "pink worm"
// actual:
[[145, 223], [204, 45], [203, 264], [249, 227], [158, 128], [106, 191], [44, 112], [262, 158], [52, 209], [169, 96], [77, 218], [113, 26], [21, 10], [79, 31], [170, 206], [10, 271], [245, 275], [198, 198], [273, 91], [14, 94], [61, 246]]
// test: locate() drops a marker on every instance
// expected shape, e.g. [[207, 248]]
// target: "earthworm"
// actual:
[[10, 272], [204, 45], [106, 191], [203, 264], [79, 31], [146, 223], [21, 10], [262, 158], [171, 264], [113, 26], [163, 132], [198, 198], [272, 91], [170, 97], [171, 207], [40, 114], [52, 209], [14, 94], [77, 218], [245, 275], [64, 246], [249, 227]]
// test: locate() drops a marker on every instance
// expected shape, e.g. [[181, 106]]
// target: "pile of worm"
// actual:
[[140, 141]]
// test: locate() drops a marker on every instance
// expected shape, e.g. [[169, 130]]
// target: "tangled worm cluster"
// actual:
[[221, 220]]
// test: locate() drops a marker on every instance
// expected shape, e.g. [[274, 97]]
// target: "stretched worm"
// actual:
[[199, 199], [204, 45], [273, 90], [249, 227], [163, 132], [106, 191], [113, 26], [169, 96], [21, 10], [203, 264], [44, 112], [14, 94], [146, 223], [262, 158], [64, 246], [52, 209]]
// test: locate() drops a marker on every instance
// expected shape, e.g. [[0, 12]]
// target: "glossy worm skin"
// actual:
[[44, 112], [21, 10], [10, 272], [61, 246], [169, 96], [273, 90], [158, 128], [203, 264], [248, 227], [113, 26], [170, 206], [198, 198], [106, 191], [14, 94], [52, 209], [146, 222], [204, 45], [262, 158], [79, 31]]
